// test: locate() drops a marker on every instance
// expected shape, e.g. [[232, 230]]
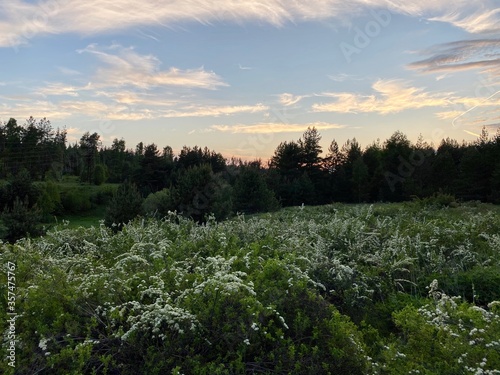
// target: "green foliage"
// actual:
[[479, 284], [100, 174], [103, 194], [125, 205], [20, 221], [437, 200], [76, 201], [20, 216], [160, 203], [49, 199], [310, 290], [360, 179], [251, 193], [33, 146], [21, 186], [446, 336], [89, 144], [200, 193], [222, 204]]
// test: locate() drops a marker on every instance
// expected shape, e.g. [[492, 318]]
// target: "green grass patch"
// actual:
[[86, 219]]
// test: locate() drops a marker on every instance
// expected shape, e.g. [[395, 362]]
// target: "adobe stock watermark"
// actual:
[[11, 314], [363, 36], [38, 23]]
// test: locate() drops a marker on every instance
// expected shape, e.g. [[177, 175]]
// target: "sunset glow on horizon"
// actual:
[[242, 76]]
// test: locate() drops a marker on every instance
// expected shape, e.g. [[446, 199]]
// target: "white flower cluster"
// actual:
[[157, 318]]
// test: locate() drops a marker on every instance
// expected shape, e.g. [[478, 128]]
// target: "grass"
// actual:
[[73, 182], [86, 219], [96, 196]]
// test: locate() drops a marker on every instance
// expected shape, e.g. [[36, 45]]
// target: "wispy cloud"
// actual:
[[483, 54], [215, 111], [287, 99], [36, 108], [390, 96], [244, 67], [57, 89], [68, 72], [120, 105], [125, 67], [342, 77], [126, 86], [21, 20], [266, 128], [483, 20], [476, 111], [394, 96]]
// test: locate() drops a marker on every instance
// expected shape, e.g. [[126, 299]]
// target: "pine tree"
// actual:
[[21, 220], [125, 205]]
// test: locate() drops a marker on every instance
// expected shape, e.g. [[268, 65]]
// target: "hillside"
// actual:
[[338, 289]]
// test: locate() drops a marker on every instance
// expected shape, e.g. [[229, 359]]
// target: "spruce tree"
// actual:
[[125, 205]]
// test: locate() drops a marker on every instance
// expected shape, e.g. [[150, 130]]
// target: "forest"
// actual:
[[36, 163], [381, 261]]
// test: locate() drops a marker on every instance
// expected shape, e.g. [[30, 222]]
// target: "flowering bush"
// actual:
[[332, 289]]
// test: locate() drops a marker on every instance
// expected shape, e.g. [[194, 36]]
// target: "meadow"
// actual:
[[407, 288]]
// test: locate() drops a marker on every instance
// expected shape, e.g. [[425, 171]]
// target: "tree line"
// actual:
[[198, 181]]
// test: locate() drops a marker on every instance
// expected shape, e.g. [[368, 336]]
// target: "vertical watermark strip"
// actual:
[[11, 314]]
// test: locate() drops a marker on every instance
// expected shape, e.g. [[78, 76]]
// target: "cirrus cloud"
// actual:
[[22, 20], [273, 127], [482, 54]]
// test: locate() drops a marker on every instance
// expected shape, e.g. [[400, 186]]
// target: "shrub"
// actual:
[[103, 194], [160, 203], [100, 174], [437, 200], [21, 220], [49, 200], [125, 205], [76, 201]]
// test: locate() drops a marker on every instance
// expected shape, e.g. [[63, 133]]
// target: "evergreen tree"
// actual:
[[396, 155], [21, 186], [372, 157], [443, 162], [197, 190], [20, 220], [334, 158], [310, 150], [251, 193], [89, 144], [125, 205], [360, 179], [150, 177]]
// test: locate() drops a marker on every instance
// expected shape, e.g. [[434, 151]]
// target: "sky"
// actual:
[[239, 76]]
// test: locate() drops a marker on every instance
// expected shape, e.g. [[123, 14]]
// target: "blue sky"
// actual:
[[242, 76]]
